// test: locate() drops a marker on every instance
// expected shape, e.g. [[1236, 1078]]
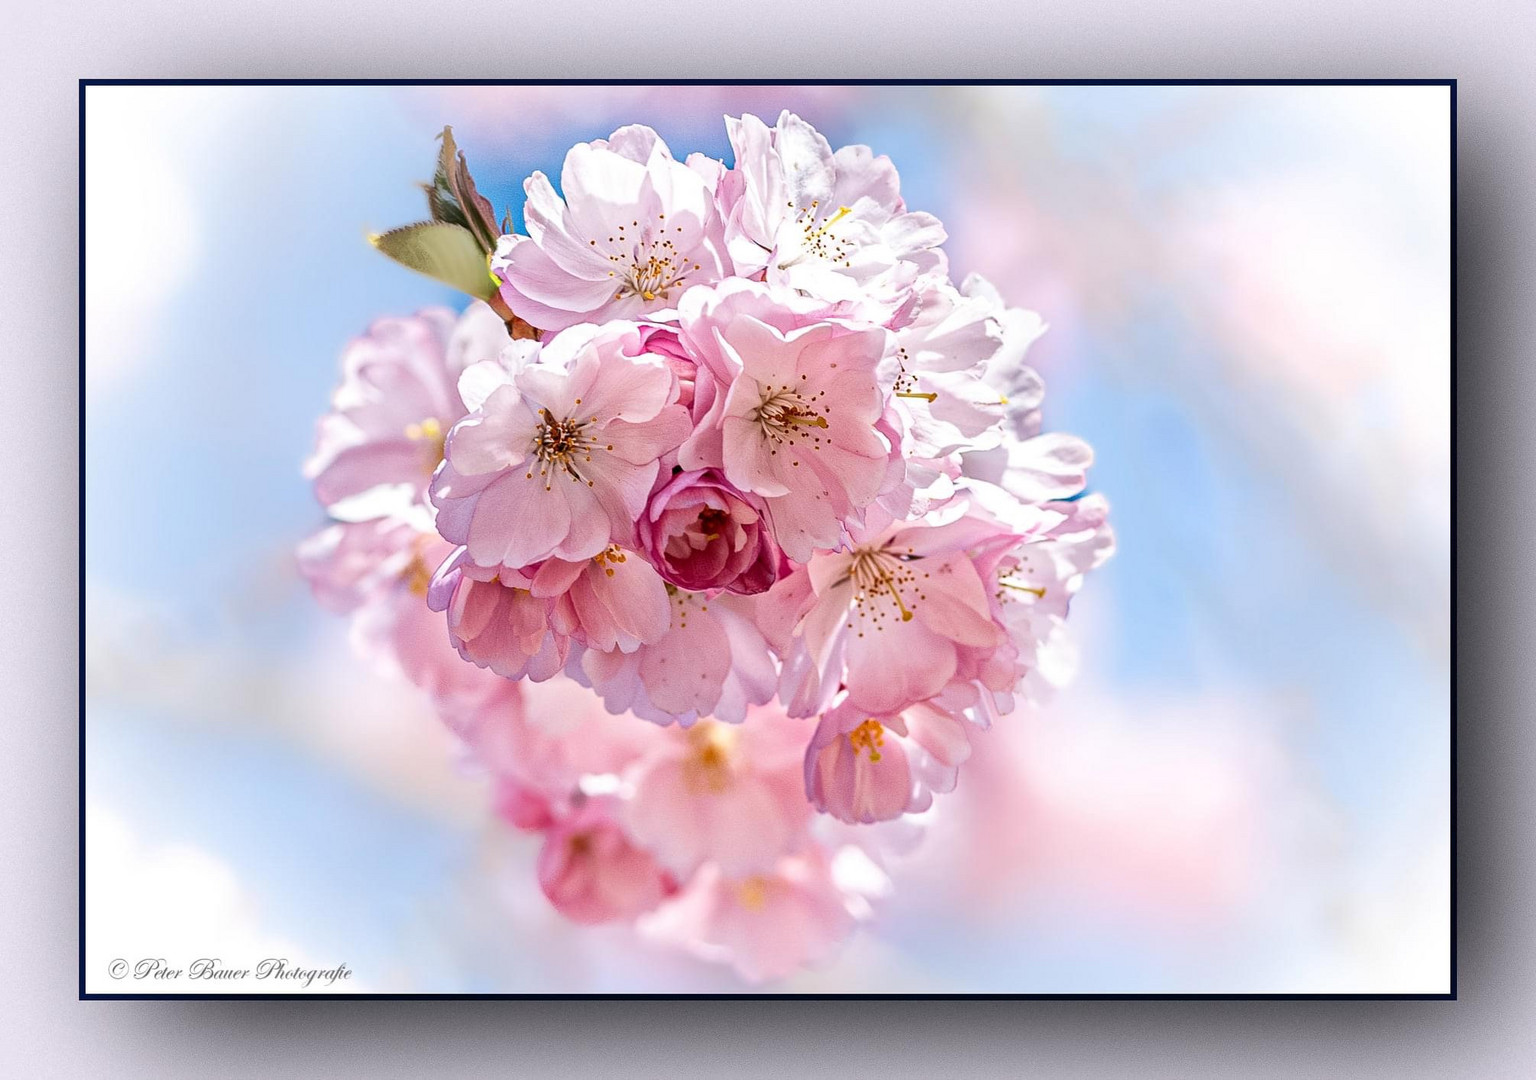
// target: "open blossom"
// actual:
[[1034, 581], [891, 619], [521, 623], [726, 794], [559, 459], [636, 227], [797, 424], [396, 401], [495, 621], [1006, 371], [861, 768], [377, 571], [712, 660], [543, 741], [938, 368], [830, 224], [593, 873], [615, 600], [766, 926], [702, 534]]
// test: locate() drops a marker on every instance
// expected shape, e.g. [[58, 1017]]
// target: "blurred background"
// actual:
[[1247, 787]]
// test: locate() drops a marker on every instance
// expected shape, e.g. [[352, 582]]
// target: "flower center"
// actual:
[[787, 416], [816, 237], [562, 446], [429, 432], [879, 575], [610, 557], [712, 522], [870, 735], [646, 263], [906, 382], [1038, 591], [752, 893], [417, 575], [708, 765], [1011, 579]]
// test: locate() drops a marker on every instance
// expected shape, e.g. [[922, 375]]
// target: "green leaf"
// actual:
[[452, 198], [441, 250]]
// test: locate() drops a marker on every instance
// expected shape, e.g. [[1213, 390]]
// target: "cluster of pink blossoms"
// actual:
[[764, 483]]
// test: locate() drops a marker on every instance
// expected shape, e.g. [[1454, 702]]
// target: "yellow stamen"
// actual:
[[611, 554], [709, 766], [752, 894], [842, 212], [870, 735]]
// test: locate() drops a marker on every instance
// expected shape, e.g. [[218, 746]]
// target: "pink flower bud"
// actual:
[[702, 535]]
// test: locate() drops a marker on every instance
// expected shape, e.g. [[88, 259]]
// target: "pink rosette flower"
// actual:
[[384, 434], [712, 660], [635, 228], [725, 794], [829, 224], [592, 872], [798, 423], [559, 458], [703, 535], [862, 769], [766, 926], [892, 618]]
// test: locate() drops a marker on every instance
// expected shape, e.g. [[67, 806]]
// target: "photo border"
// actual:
[[1451, 994]]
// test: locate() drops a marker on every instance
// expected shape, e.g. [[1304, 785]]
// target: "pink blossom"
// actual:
[[559, 459], [766, 926], [635, 228], [495, 621], [937, 367], [1021, 386], [1035, 470], [891, 618], [829, 224], [614, 600], [543, 740], [593, 873], [347, 564], [725, 794], [797, 425], [702, 534], [861, 768], [384, 434], [1033, 580], [378, 571], [711, 661]]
